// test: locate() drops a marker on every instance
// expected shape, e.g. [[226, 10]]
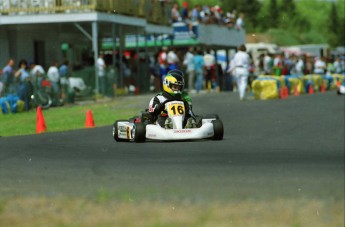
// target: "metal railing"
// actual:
[[152, 10]]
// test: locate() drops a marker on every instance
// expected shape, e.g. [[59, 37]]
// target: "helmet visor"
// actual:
[[176, 86]]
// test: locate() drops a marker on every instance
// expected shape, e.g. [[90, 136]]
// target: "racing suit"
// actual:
[[157, 106]]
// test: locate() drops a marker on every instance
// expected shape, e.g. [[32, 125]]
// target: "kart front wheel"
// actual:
[[218, 129], [116, 132], [140, 132]]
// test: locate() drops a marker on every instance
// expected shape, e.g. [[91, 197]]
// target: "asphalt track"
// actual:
[[291, 148]]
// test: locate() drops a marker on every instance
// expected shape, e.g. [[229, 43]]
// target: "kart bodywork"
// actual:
[[139, 128]]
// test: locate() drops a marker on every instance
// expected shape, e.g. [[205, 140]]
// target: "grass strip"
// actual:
[[72, 116]]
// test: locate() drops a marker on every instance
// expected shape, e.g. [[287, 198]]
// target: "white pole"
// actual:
[[95, 52]]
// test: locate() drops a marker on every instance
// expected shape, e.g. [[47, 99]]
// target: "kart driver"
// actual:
[[173, 85]]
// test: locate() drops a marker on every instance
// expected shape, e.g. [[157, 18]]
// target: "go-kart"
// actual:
[[141, 128]]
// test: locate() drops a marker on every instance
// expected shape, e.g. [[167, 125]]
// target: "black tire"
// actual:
[[140, 132], [218, 129], [115, 132]]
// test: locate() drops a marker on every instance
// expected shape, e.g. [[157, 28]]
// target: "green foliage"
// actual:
[[298, 22], [273, 15]]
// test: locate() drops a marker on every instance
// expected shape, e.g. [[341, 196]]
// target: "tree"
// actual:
[[250, 8], [289, 7], [273, 15], [333, 19], [334, 27]]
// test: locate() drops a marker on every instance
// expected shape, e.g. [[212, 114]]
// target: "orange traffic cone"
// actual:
[[40, 123], [89, 122], [295, 91], [338, 83], [311, 89], [286, 92], [322, 88], [282, 93]]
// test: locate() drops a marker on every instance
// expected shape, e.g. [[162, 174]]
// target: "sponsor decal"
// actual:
[[122, 128], [123, 134], [182, 130], [151, 135]]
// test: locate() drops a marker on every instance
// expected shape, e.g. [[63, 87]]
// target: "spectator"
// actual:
[[206, 14], [37, 74], [338, 66], [64, 75], [299, 67], [54, 77], [220, 77], [172, 59], [268, 64], [8, 78], [1, 87], [277, 64], [210, 62], [25, 86], [162, 60], [233, 78], [155, 72], [241, 63], [218, 14], [101, 73], [240, 22], [127, 71], [175, 14], [196, 17], [230, 19], [199, 70], [186, 18], [319, 66], [189, 63]]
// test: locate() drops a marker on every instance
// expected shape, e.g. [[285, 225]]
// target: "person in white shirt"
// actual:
[[299, 67], [172, 60], [240, 22], [101, 73], [54, 77], [240, 68], [319, 66], [267, 64], [189, 63], [338, 66], [37, 74]]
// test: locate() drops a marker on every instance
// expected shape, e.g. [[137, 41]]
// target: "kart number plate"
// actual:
[[175, 109]]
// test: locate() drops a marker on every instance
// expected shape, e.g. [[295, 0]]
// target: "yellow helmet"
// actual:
[[173, 82]]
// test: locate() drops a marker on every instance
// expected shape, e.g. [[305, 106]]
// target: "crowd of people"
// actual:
[[204, 72], [201, 70], [28, 76], [291, 64], [207, 15]]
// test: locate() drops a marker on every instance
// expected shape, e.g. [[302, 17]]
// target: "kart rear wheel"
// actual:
[[218, 129], [115, 132], [140, 132], [211, 116]]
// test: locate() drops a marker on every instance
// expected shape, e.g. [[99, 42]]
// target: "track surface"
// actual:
[[291, 148]]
